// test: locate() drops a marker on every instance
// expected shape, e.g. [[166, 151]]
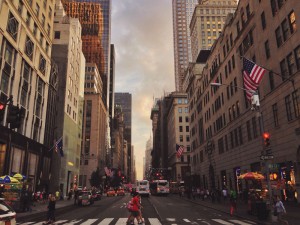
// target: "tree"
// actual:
[[96, 178]]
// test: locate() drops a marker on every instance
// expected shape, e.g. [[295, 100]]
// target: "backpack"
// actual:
[[129, 206]]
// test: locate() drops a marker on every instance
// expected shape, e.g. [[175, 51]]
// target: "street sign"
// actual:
[[266, 157]]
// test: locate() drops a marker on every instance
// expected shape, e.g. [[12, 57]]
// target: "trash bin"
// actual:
[[262, 211]]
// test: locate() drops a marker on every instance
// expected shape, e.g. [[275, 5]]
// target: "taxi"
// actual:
[[120, 192], [110, 192]]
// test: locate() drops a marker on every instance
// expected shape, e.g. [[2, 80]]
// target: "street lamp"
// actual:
[[255, 106]]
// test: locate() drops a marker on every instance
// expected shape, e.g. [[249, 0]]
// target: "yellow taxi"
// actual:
[[120, 192], [110, 192]]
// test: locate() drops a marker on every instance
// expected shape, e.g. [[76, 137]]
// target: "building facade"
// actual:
[[25, 65], [67, 54], [93, 153], [207, 23], [182, 14], [229, 140], [125, 101]]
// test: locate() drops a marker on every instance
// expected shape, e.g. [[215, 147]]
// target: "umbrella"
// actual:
[[8, 179], [18, 176], [251, 176], [1, 180]]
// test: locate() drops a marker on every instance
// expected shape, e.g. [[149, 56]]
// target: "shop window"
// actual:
[[12, 26]]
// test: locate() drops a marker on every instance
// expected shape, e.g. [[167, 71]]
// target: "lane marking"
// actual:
[[121, 221], [186, 220], [154, 221], [171, 219], [89, 221], [240, 222], [106, 221], [72, 222], [60, 221], [222, 222], [248, 221]]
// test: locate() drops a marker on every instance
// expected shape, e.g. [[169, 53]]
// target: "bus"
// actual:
[[160, 187], [143, 188]]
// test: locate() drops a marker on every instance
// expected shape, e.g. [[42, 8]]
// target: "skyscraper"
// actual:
[[95, 18], [182, 14]]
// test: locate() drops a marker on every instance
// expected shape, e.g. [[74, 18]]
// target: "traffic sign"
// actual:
[[266, 157]]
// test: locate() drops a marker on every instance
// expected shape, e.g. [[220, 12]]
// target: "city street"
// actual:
[[157, 210]]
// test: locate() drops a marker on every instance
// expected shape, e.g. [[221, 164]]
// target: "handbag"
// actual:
[[275, 213]]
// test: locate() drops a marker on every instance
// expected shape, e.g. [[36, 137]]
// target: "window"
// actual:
[[180, 129], [42, 65], [249, 130], [274, 7], [254, 127], [186, 119], [34, 29], [28, 18], [297, 57], [296, 103], [57, 35], [20, 7], [43, 20], [267, 49], [187, 129], [292, 22], [12, 26], [37, 9], [180, 119], [271, 80], [285, 29], [240, 135], [291, 64], [180, 110], [187, 138], [288, 107], [278, 37], [50, 12], [181, 138], [283, 69], [275, 115], [29, 47], [263, 20]]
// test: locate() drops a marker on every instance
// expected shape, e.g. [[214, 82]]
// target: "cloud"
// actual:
[[143, 39]]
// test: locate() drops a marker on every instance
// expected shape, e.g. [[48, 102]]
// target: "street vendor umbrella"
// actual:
[[8, 179], [251, 176], [18, 176], [1, 180]]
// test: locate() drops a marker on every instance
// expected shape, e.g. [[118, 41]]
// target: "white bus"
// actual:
[[142, 187], [160, 187]]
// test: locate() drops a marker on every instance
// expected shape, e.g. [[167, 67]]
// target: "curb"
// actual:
[[42, 214]]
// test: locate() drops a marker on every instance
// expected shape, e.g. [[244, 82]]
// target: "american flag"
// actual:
[[58, 147], [179, 150], [252, 76]]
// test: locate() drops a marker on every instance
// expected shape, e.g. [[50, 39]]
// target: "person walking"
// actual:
[[224, 193], [135, 209], [233, 198], [51, 209], [279, 209]]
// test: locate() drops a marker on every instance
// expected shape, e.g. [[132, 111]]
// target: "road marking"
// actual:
[[154, 221], [248, 221], [222, 222], [106, 221], [121, 221], [72, 222], [186, 220], [171, 219], [89, 222], [28, 223], [60, 221], [239, 222]]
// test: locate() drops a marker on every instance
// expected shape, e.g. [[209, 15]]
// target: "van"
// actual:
[[142, 187]]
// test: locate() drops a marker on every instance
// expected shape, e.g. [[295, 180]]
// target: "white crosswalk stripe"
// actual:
[[152, 221]]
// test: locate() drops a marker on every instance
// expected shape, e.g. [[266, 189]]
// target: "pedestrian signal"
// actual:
[[266, 137]]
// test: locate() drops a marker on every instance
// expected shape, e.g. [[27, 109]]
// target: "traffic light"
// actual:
[[15, 116], [266, 137], [2, 110]]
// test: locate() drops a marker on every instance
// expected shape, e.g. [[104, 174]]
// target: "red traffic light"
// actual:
[[266, 135]]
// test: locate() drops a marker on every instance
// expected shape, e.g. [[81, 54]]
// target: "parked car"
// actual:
[[85, 198], [7, 214], [96, 195], [120, 192], [111, 192]]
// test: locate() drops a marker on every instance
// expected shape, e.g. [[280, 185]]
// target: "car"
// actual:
[[85, 198], [97, 195], [7, 214], [110, 192], [120, 192]]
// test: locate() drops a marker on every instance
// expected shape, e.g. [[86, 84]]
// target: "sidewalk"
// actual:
[[293, 210], [39, 209]]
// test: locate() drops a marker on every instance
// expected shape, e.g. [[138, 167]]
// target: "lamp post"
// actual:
[[255, 106]]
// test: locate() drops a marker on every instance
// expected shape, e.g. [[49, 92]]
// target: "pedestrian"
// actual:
[[51, 209], [70, 193], [279, 211], [224, 192], [57, 194], [233, 198], [76, 192], [134, 211]]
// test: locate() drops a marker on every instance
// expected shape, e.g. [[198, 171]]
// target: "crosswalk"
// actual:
[[151, 221]]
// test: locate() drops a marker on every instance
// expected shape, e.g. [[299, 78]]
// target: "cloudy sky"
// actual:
[[143, 37]]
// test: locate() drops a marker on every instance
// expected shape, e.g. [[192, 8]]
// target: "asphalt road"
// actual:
[[157, 210]]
